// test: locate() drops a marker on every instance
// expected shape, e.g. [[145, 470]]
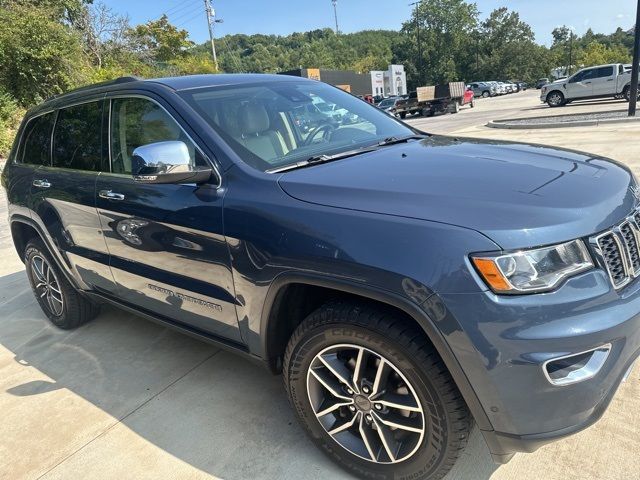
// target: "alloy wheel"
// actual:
[[365, 403], [47, 285]]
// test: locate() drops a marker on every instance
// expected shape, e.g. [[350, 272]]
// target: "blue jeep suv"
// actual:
[[406, 285]]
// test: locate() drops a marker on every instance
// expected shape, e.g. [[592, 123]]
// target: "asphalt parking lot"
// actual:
[[124, 398]]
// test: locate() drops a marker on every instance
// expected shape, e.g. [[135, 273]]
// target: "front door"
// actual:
[[167, 250], [581, 84], [63, 194]]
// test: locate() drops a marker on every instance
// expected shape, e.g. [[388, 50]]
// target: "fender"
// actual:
[[48, 243], [384, 296]]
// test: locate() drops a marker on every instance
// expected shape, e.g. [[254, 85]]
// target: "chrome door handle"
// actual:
[[41, 183], [109, 195], [610, 80]]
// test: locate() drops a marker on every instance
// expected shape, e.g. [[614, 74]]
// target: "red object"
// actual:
[[468, 96]]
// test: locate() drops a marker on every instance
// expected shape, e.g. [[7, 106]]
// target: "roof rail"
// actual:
[[116, 81]]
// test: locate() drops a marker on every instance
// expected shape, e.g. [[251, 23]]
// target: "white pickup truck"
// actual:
[[594, 82]]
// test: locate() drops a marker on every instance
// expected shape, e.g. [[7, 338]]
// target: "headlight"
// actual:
[[535, 270]]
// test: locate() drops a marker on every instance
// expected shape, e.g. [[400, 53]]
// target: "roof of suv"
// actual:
[[174, 83]]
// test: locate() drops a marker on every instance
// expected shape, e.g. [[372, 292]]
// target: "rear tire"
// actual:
[[455, 108], [412, 373], [58, 299], [403, 115]]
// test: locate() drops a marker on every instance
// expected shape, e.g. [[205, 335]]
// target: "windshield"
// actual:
[[271, 125], [390, 102]]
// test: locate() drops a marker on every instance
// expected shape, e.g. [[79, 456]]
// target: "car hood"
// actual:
[[518, 195]]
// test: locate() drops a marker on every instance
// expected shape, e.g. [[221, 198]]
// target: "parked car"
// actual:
[[482, 89], [389, 104], [406, 285], [602, 81], [541, 83]]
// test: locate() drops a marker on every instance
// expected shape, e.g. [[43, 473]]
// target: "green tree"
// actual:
[[596, 53], [445, 29], [40, 57], [507, 49], [160, 40]]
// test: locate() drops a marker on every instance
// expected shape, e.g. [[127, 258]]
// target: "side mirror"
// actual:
[[167, 162]]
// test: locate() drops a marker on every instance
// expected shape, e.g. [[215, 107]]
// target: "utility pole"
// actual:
[[335, 14], [417, 15], [211, 20], [570, 52], [633, 91]]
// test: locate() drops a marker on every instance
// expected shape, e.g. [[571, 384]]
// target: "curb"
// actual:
[[503, 124]]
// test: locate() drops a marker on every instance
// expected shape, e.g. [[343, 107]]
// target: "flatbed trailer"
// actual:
[[428, 101]]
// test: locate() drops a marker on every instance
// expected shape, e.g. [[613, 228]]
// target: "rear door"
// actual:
[[168, 252], [63, 194], [33, 152], [604, 81]]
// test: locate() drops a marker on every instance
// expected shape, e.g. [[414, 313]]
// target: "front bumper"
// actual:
[[504, 342]]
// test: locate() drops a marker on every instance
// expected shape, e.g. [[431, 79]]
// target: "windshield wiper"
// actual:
[[317, 159], [396, 140]]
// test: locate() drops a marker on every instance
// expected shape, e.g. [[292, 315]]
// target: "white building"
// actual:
[[390, 83]]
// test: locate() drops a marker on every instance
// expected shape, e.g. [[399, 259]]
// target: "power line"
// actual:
[[181, 6], [186, 13], [191, 19]]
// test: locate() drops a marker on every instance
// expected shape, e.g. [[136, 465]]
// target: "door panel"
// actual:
[[581, 85], [66, 210], [168, 254], [604, 81]]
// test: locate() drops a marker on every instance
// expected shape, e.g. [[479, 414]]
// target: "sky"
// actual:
[[286, 16]]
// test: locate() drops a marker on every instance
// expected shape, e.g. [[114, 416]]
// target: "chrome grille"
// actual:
[[619, 249], [631, 243]]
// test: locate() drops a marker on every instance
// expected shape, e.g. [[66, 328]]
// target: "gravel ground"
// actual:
[[579, 117]]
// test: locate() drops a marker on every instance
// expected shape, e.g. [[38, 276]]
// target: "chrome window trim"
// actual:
[[110, 98]]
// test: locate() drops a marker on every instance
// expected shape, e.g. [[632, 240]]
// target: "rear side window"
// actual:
[[604, 72], [36, 146], [77, 137]]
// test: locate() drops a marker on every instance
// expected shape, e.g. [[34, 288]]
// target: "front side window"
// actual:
[[77, 138], [274, 124], [36, 146], [136, 122]]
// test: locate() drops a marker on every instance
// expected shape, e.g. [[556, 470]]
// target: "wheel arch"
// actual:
[[24, 229], [287, 299]]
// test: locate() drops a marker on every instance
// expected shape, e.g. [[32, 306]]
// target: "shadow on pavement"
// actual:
[[211, 409]]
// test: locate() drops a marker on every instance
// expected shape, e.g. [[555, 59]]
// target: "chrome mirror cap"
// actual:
[[167, 162]]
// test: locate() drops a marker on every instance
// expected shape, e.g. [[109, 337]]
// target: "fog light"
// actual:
[[576, 367]]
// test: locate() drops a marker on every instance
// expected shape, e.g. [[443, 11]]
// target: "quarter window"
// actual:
[[36, 149], [136, 122], [77, 137]]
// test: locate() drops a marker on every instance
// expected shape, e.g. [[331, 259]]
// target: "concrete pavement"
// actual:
[[125, 398]]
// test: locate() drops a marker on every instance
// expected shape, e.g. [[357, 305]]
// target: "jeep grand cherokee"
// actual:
[[404, 284]]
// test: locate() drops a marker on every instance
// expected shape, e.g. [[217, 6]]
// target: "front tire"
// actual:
[[555, 99], [486, 94], [58, 299], [374, 395]]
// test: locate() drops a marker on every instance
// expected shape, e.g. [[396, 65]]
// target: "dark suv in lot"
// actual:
[[405, 284]]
